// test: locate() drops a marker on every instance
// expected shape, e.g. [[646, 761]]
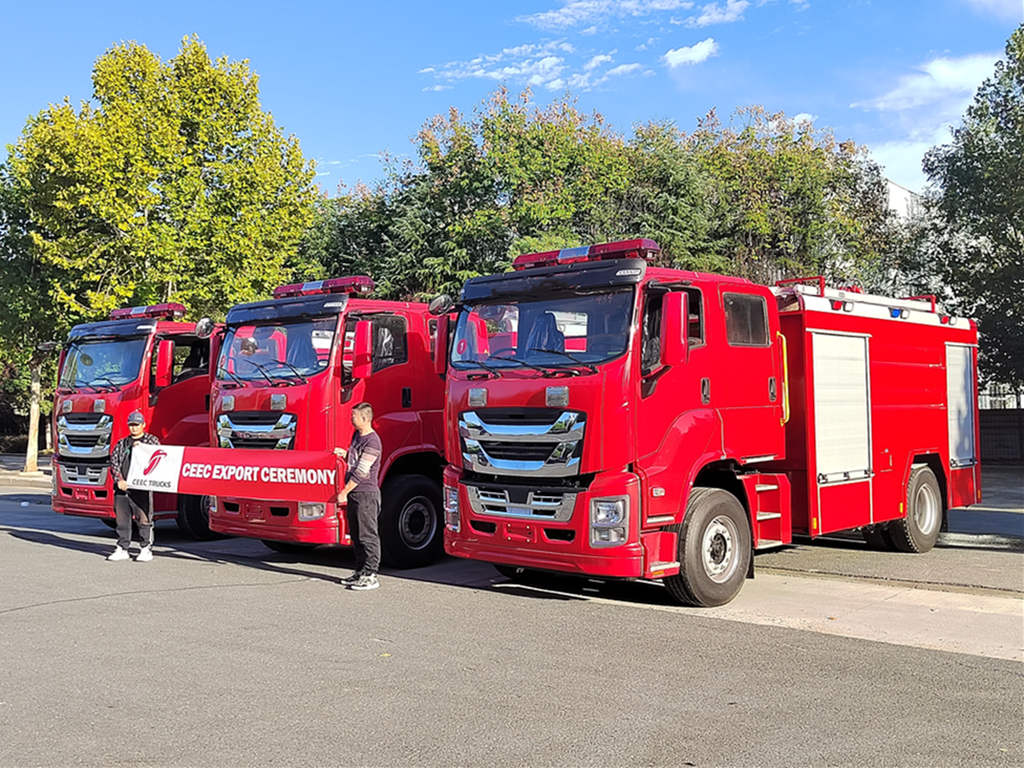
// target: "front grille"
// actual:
[[523, 442], [520, 502], [525, 417], [268, 444], [254, 418], [519, 451], [92, 419], [268, 430], [83, 474], [82, 441]]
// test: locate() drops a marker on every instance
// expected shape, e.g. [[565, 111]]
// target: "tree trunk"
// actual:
[[32, 453]]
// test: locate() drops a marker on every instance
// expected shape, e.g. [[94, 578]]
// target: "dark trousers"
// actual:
[[361, 514], [137, 505]]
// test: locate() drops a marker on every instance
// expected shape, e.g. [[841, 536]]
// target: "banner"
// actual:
[[246, 474]]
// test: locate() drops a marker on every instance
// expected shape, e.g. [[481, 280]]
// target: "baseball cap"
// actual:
[[136, 417]]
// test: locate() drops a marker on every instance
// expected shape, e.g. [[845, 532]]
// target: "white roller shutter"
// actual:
[[960, 404], [842, 430]]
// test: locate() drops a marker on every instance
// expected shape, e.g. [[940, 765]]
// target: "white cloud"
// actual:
[[425, 71], [535, 64], [574, 13], [713, 13], [591, 30], [1007, 10], [693, 54], [554, 85], [437, 87], [622, 69], [597, 61], [935, 81], [804, 117]]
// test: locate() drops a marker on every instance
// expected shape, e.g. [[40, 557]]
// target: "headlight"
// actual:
[[451, 508], [311, 510], [609, 521], [99, 406]]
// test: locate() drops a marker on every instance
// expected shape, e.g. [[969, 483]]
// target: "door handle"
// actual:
[[705, 390], [771, 389], [407, 397]]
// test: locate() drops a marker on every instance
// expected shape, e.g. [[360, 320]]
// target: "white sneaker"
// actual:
[[118, 554], [145, 555]]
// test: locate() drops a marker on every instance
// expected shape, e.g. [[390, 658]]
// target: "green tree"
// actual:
[[172, 184], [980, 202]]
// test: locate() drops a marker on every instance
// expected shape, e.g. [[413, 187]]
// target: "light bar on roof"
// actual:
[[168, 310], [356, 285], [640, 248]]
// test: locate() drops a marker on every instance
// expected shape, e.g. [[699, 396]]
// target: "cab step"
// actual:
[[768, 544], [768, 516], [657, 568]]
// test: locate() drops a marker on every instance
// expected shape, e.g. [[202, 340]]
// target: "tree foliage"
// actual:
[[172, 184], [978, 237], [764, 200]]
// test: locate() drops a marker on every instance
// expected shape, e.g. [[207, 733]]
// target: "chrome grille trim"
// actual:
[[555, 444], [275, 433], [84, 439], [83, 474], [539, 506]]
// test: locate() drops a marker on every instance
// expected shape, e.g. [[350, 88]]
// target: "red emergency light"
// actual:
[[353, 286], [640, 248], [170, 311]]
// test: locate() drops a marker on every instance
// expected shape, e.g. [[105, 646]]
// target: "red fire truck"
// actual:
[[615, 419], [290, 370], [142, 358]]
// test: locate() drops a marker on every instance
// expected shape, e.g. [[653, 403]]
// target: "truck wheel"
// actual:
[[410, 521], [194, 518], [878, 538], [919, 530], [287, 547], [714, 549]]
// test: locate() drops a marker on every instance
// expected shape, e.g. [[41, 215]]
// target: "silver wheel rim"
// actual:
[[417, 523], [926, 509], [718, 549]]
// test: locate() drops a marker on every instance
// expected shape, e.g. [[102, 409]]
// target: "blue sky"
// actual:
[[354, 79]]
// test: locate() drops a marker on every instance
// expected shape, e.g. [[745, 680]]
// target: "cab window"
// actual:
[[746, 320]]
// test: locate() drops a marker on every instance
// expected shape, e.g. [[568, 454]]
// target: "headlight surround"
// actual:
[[451, 508], [609, 521], [311, 510]]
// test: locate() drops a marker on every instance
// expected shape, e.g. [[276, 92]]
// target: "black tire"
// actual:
[[878, 538], [919, 530], [715, 520], [411, 524], [287, 547], [194, 518]]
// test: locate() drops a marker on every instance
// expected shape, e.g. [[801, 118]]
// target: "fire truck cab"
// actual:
[[289, 372], [615, 419], [146, 359]]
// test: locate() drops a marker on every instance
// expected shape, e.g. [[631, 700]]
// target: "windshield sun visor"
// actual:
[[582, 276]]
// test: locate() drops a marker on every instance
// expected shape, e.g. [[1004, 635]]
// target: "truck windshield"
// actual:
[[275, 350], [102, 362], [544, 332]]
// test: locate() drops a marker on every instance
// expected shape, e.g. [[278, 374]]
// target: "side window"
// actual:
[[695, 323], [650, 352], [390, 345], [746, 320], [431, 333], [191, 358]]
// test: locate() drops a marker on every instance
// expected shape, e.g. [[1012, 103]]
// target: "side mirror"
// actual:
[[675, 310], [362, 350], [204, 328], [440, 305], [441, 346], [164, 364]]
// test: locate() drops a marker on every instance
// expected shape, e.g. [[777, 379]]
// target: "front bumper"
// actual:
[[82, 499], [547, 544], [277, 520]]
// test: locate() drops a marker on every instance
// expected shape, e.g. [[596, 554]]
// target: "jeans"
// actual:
[[138, 505], [361, 515]]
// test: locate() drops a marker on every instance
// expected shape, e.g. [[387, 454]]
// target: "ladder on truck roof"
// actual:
[[799, 285]]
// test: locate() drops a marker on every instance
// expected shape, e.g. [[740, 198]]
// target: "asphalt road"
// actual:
[[223, 653]]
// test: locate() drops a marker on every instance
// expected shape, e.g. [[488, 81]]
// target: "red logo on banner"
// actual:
[[153, 461]]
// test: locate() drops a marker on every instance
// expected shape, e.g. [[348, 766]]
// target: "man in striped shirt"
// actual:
[[361, 497]]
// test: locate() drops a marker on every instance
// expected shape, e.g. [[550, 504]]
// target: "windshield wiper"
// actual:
[[514, 359], [238, 382], [260, 368], [111, 384], [582, 363], [295, 370]]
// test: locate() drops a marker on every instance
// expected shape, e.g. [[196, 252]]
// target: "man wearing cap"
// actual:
[[130, 503]]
